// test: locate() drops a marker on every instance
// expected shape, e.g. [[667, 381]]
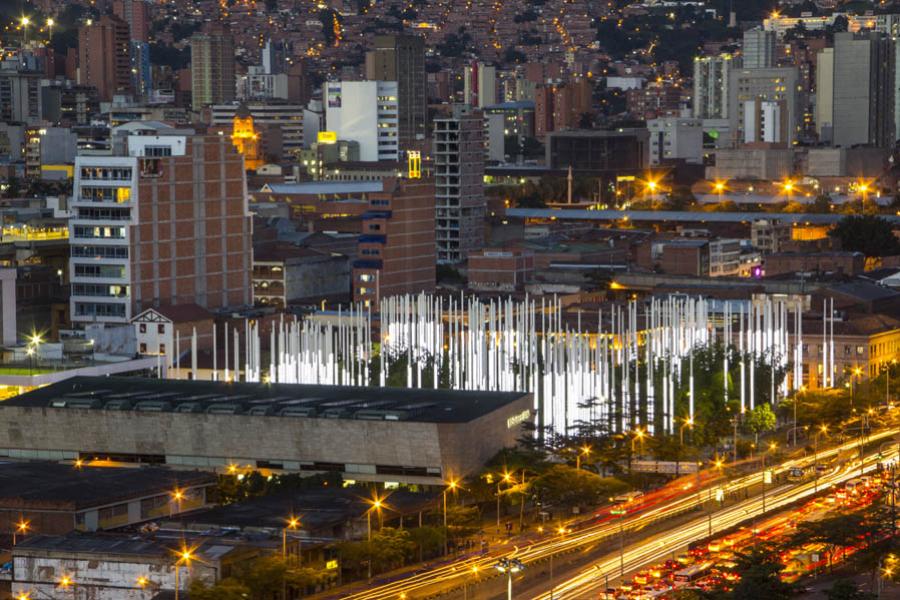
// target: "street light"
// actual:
[[185, 556], [583, 451], [25, 22], [638, 435], [561, 531], [22, 528], [177, 496], [50, 24], [474, 570], [65, 582], [451, 486], [292, 523], [688, 422], [507, 477], [509, 566], [772, 447], [822, 429], [376, 504], [23, 596]]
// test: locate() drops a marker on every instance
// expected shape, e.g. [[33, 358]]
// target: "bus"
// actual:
[[628, 498], [692, 573]]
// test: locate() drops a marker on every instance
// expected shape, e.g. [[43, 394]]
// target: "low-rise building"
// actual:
[[414, 436], [769, 235], [166, 331], [56, 498], [285, 273], [500, 270], [841, 263]]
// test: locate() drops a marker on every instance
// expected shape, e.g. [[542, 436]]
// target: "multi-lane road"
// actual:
[[677, 498]]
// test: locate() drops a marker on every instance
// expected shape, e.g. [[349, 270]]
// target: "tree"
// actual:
[[429, 541], [566, 486], [760, 575], [838, 531], [869, 234], [227, 589], [845, 589], [760, 419]]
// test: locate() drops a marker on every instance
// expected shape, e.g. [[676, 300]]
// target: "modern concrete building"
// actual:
[[166, 223], [396, 253], [212, 66], [479, 85], [104, 57], [401, 58], [459, 184], [759, 49], [366, 112], [764, 85], [284, 274], [672, 138], [864, 90], [765, 121], [20, 97], [136, 14], [711, 86], [825, 95], [500, 270], [414, 436]]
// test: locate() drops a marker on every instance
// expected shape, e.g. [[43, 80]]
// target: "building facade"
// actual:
[[396, 253], [212, 67], [711, 86], [104, 57], [166, 224], [863, 101], [460, 204], [366, 112], [401, 58]]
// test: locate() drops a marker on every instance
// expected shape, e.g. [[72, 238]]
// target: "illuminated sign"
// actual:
[[518, 419], [327, 137], [331, 564], [414, 164]]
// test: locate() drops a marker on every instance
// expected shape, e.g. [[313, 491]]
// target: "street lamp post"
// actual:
[[451, 485], [772, 446], [584, 450], [822, 429], [376, 505], [466, 582], [22, 528], [506, 478], [184, 556], [561, 531], [25, 22], [177, 497], [291, 523], [688, 422], [509, 566], [66, 582]]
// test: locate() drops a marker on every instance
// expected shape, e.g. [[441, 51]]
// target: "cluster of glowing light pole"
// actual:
[[627, 372]]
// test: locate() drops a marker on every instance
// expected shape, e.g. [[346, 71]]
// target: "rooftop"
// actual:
[[678, 216], [325, 187], [53, 484], [263, 399]]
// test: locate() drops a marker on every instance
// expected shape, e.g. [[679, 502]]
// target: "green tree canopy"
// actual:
[[869, 234], [566, 486]]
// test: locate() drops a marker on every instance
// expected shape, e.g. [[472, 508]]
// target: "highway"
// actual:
[[657, 548], [667, 502]]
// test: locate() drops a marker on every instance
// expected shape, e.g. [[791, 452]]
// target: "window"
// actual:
[[160, 329], [142, 328], [860, 350], [143, 348], [162, 348]]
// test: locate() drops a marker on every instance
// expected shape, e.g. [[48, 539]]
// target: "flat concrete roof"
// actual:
[[261, 399], [678, 216], [49, 484]]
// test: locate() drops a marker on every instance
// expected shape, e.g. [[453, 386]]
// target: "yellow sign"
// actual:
[[327, 137], [331, 564], [414, 164]]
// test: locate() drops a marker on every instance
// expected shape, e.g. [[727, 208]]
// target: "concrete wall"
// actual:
[[201, 440]]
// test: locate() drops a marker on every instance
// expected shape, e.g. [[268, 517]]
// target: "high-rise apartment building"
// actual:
[[164, 223], [459, 184], [825, 95], [711, 81], [863, 89], [401, 58], [778, 85], [212, 66], [396, 253], [136, 14], [759, 49], [479, 85], [20, 94], [104, 57], [365, 112]]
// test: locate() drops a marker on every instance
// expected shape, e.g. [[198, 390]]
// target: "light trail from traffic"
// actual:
[[661, 504]]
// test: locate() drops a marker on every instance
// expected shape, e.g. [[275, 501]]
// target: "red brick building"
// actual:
[[397, 246], [104, 57], [500, 271]]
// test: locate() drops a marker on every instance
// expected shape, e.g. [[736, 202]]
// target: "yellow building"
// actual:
[[246, 139]]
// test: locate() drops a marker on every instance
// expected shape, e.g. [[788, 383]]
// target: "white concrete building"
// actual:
[[672, 138], [366, 112]]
